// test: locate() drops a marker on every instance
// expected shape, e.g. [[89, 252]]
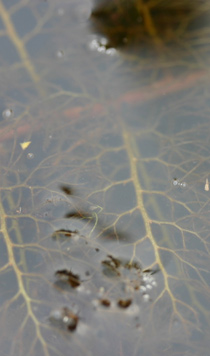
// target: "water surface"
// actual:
[[104, 196]]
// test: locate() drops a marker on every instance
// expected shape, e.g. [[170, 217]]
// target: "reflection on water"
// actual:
[[105, 162]]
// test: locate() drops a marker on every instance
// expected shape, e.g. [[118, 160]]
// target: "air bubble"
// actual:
[[60, 11], [66, 319], [7, 113], [101, 49], [146, 297], [148, 286], [93, 44], [101, 291], [111, 51], [103, 41], [56, 315], [30, 155], [60, 54], [175, 182]]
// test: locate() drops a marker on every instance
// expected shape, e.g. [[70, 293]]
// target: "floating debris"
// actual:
[[67, 276], [105, 302], [129, 272], [64, 233], [111, 266], [66, 189], [64, 318], [206, 187], [19, 210], [124, 303], [30, 155]]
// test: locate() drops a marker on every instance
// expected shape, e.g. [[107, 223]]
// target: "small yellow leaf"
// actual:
[[25, 145]]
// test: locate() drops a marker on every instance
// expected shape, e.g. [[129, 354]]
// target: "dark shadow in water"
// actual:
[[139, 22]]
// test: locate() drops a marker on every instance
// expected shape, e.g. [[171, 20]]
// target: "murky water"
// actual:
[[105, 161]]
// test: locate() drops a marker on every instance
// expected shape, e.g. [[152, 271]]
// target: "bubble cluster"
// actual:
[[176, 182], [132, 277], [101, 46], [147, 284]]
